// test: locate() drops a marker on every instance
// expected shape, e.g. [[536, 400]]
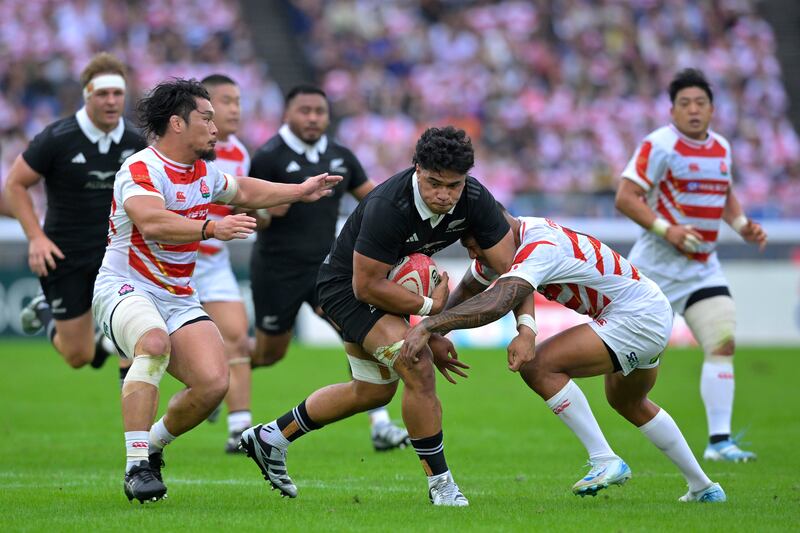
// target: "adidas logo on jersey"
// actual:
[[413, 238], [80, 158], [292, 167]]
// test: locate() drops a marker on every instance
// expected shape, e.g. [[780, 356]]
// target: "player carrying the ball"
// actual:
[[631, 327], [422, 209]]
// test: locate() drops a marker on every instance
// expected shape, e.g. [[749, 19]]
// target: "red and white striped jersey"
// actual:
[[687, 182], [578, 271], [233, 159], [188, 190]]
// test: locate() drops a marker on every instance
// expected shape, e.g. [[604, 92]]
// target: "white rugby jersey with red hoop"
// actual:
[[189, 190], [213, 277], [687, 182], [630, 313]]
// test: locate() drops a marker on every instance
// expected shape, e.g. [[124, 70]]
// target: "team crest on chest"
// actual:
[[723, 168], [204, 190]]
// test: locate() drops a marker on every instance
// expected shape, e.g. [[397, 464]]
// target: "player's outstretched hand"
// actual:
[[237, 226], [753, 232], [446, 358], [440, 294], [318, 186], [42, 254], [415, 340], [684, 238], [521, 350]]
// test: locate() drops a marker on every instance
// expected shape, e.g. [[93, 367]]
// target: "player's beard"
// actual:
[[207, 155]]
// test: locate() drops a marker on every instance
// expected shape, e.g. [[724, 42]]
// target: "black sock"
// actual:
[[296, 423], [431, 454], [100, 353], [713, 439], [45, 315]]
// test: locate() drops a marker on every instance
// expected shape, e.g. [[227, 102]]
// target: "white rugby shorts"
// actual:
[[213, 278]]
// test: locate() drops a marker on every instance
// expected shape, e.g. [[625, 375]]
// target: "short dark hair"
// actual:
[[447, 148], [689, 77], [303, 89], [213, 80], [174, 97]]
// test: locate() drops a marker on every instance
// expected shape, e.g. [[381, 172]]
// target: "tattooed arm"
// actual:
[[482, 309]]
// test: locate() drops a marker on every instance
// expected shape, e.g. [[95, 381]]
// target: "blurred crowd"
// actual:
[[555, 93], [44, 44]]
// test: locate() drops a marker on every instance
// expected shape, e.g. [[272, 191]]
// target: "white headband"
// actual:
[[103, 81]]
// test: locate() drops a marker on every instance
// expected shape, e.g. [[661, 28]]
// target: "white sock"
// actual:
[[665, 434], [379, 416], [573, 409], [136, 448], [272, 435], [239, 421], [159, 436], [716, 388]]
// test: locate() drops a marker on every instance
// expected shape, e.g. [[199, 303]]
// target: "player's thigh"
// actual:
[[230, 318], [577, 352], [77, 333], [69, 292], [198, 355], [272, 345]]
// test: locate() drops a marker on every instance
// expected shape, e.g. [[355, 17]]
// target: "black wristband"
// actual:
[[203, 230]]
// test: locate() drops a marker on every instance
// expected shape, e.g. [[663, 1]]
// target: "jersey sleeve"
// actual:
[[482, 274], [382, 231], [486, 222], [534, 262], [647, 166], [225, 186], [40, 151], [137, 179], [357, 175]]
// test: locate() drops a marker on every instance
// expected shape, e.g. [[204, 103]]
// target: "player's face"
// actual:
[[440, 190], [307, 116], [202, 131], [105, 107], [227, 109], [691, 112], [474, 251]]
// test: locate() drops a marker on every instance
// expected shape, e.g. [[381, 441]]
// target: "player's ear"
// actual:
[[176, 123]]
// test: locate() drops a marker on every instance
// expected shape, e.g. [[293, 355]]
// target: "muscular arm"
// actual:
[[156, 223], [733, 209], [254, 193], [466, 289], [371, 287], [362, 190], [631, 202], [490, 305], [21, 177]]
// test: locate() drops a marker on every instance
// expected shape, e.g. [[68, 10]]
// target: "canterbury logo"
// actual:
[[140, 444], [725, 375], [563, 405]]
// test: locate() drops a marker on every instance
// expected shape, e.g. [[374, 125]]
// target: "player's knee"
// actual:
[[153, 342], [630, 407], [375, 395], [713, 322], [533, 374], [267, 352], [77, 355]]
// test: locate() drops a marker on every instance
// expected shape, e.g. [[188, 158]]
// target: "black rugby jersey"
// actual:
[[305, 234], [79, 181], [386, 225]]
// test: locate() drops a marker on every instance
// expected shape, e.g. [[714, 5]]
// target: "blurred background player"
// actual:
[[287, 255], [631, 327], [678, 186], [143, 298], [213, 276], [78, 158]]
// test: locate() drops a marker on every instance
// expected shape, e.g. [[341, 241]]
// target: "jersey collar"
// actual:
[[705, 143], [98, 136], [424, 211], [311, 151]]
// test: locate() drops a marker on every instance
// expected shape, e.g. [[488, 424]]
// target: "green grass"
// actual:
[[62, 456]]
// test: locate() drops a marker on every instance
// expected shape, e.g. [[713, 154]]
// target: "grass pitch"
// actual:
[[62, 459]]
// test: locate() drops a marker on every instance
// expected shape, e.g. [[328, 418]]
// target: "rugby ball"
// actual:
[[417, 273]]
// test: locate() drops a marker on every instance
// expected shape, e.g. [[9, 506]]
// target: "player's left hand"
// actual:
[[753, 232], [521, 349], [318, 186], [415, 340], [446, 358]]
